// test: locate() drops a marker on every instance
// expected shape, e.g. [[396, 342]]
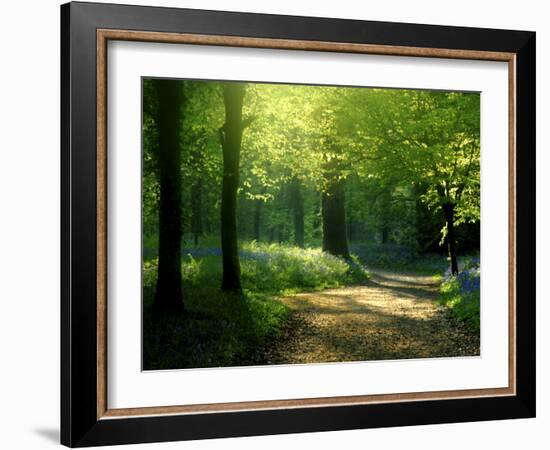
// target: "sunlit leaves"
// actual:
[[392, 141]]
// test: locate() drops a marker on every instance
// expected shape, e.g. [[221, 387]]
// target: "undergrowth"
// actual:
[[401, 258], [462, 294], [220, 329]]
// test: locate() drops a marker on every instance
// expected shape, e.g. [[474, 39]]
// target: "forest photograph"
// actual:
[[300, 224]]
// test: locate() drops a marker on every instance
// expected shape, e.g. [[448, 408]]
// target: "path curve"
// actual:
[[394, 316]]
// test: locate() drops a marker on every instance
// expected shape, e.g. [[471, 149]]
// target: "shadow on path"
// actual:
[[394, 316]]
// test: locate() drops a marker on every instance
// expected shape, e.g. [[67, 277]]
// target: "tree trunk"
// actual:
[[257, 219], [280, 237], [350, 217], [297, 205], [334, 220], [230, 137], [196, 210], [168, 295], [385, 234], [351, 223], [317, 213], [258, 206], [449, 210], [427, 226]]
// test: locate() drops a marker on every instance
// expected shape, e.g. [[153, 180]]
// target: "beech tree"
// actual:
[[168, 295], [230, 137], [319, 166], [433, 140]]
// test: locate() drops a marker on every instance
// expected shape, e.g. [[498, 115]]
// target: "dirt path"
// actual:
[[394, 316]]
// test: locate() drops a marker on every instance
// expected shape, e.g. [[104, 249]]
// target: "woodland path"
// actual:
[[394, 316]]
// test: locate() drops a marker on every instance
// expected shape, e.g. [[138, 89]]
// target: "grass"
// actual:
[[217, 330], [220, 330], [227, 330], [285, 269], [461, 295]]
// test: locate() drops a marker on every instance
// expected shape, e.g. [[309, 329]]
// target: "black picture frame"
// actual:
[[80, 425]]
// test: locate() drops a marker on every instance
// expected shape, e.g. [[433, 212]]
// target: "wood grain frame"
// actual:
[[86, 418], [105, 35]]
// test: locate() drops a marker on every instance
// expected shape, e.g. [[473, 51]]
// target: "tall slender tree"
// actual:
[[231, 137], [169, 295], [197, 187], [258, 206], [448, 210], [297, 205]]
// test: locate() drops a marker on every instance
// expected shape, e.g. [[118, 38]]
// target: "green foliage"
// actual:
[[399, 154], [217, 330], [277, 268], [427, 142], [402, 258], [464, 305], [226, 330], [270, 269], [403, 153]]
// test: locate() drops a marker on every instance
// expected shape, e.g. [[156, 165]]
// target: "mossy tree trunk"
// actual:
[[169, 295], [297, 205], [231, 136], [448, 210], [334, 219]]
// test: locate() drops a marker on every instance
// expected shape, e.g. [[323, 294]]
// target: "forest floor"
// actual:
[[394, 316]]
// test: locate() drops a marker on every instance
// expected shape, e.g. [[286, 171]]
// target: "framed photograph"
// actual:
[[276, 224]]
